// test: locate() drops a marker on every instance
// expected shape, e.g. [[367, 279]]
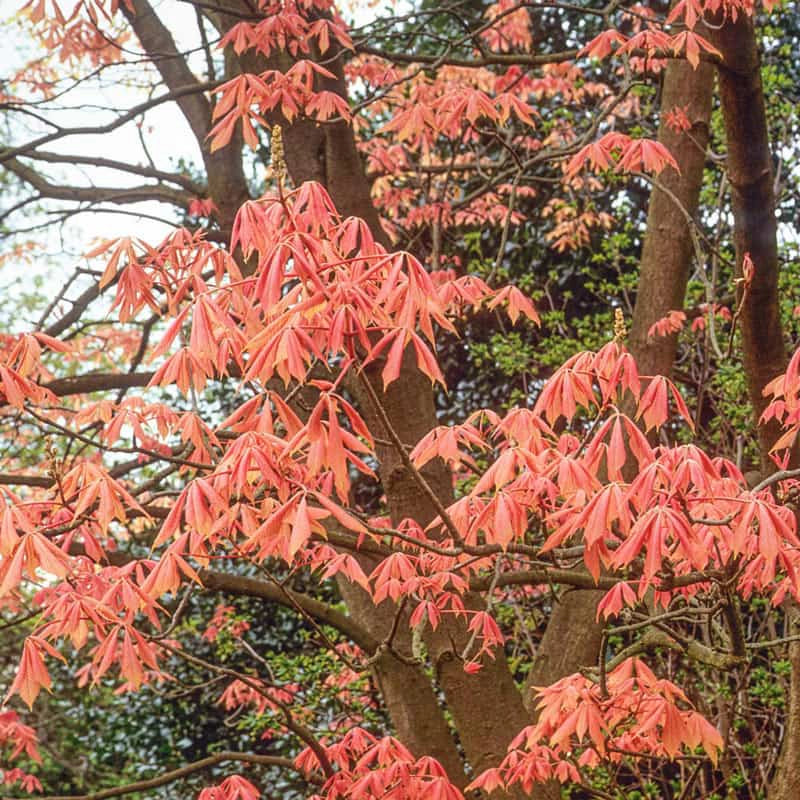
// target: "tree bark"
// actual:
[[668, 248], [749, 168], [572, 638], [573, 635], [328, 154], [227, 186], [487, 708]]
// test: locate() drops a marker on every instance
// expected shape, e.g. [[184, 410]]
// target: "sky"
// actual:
[[164, 129], [166, 132]]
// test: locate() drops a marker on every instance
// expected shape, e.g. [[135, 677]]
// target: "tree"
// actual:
[[285, 446]]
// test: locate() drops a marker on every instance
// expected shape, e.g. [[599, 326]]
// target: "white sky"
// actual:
[[165, 131], [167, 134]]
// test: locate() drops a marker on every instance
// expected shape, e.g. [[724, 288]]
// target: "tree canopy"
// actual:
[[400, 402]]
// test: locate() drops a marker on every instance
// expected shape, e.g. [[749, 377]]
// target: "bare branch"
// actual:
[[322, 612], [177, 774], [121, 166], [96, 194]]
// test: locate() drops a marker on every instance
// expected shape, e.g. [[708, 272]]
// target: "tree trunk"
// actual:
[[227, 186], [749, 167], [786, 782], [668, 246], [572, 638], [573, 635], [328, 154]]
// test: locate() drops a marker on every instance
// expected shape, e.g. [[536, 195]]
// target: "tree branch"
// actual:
[[110, 163], [322, 612], [195, 88], [226, 182], [177, 774], [98, 382], [96, 194]]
